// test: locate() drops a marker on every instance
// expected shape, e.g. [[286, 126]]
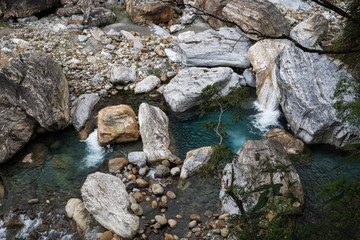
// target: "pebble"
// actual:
[[192, 224], [141, 183], [157, 189], [137, 209], [171, 194], [138, 197], [175, 171], [161, 219], [34, 200], [195, 217], [225, 232], [208, 214], [172, 223]]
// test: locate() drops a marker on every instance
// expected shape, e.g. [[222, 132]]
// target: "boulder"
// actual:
[[137, 158], [117, 124], [262, 56], [122, 75], [69, 11], [147, 84], [116, 164], [194, 160], [249, 78], [154, 129], [16, 128], [76, 210], [212, 48], [99, 17], [82, 108], [106, 198], [25, 8], [248, 171], [156, 12], [183, 91], [306, 83], [291, 144], [310, 32]]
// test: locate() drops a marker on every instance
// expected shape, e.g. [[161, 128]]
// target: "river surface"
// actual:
[[65, 161]]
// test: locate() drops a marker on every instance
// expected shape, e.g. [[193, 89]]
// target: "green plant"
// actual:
[[155, 71]]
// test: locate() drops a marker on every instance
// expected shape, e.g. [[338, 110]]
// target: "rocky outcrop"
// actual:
[[106, 198], [156, 12], [99, 17], [76, 210], [309, 32], [262, 56], [154, 129], [291, 144], [183, 91], [194, 160], [25, 8], [213, 48], [252, 15], [117, 124], [306, 83], [250, 171], [16, 128], [77, 7], [81, 109], [147, 84]]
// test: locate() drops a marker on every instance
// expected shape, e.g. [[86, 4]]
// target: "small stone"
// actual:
[[157, 189], [169, 237], [194, 230], [195, 217], [154, 204], [192, 224], [188, 234], [108, 235], [172, 223], [178, 216], [161, 171], [34, 200], [161, 219], [116, 164], [166, 163], [157, 226], [171, 194], [137, 209], [110, 47], [175, 171], [131, 177], [163, 78], [221, 223], [163, 205], [141, 183], [138, 197], [225, 232], [143, 171], [223, 216]]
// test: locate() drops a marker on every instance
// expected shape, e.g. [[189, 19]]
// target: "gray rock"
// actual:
[[306, 83], [147, 84], [127, 35], [137, 158], [175, 171], [157, 30], [75, 27], [249, 78], [82, 38], [112, 32], [194, 160], [122, 75], [254, 157], [110, 47], [92, 45], [27, 19], [161, 219], [173, 56], [99, 35], [212, 48], [154, 130], [176, 28], [143, 171], [106, 198], [161, 171], [99, 17], [183, 91], [81, 109], [309, 32]]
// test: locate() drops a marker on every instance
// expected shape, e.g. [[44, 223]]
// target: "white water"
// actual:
[[2, 230], [266, 119], [94, 152], [29, 225]]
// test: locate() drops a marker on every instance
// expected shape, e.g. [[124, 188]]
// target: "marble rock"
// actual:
[[194, 160]]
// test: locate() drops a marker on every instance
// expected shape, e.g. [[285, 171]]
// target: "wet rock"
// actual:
[[33, 201], [172, 223], [161, 219], [212, 48], [291, 144], [106, 198], [154, 125], [117, 164], [254, 157], [25, 8], [195, 217], [138, 197], [117, 124], [143, 171], [82, 108], [106, 236], [75, 209], [183, 91], [194, 159], [137, 209], [157, 12], [171, 194], [122, 75], [99, 17], [157, 189], [161, 171], [192, 224], [141, 183], [175, 171], [147, 84]]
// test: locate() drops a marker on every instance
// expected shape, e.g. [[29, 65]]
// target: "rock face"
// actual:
[[147, 84], [254, 158], [154, 125], [106, 198], [25, 8], [193, 161], [213, 48], [262, 56], [99, 17], [252, 15], [122, 75], [81, 110], [306, 83], [157, 12], [16, 128], [309, 32], [291, 144], [183, 91], [117, 124]]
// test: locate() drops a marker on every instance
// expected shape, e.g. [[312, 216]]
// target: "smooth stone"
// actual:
[[137, 158], [82, 108], [172, 223], [147, 84], [122, 75], [141, 183], [138, 197], [161, 171], [117, 164], [192, 224], [175, 171], [137, 209], [157, 189], [161, 220], [171, 194]]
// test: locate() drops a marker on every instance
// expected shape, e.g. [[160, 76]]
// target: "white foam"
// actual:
[[29, 225], [95, 153], [265, 119], [2, 230]]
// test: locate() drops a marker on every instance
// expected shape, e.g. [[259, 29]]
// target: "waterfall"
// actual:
[[266, 118], [94, 152]]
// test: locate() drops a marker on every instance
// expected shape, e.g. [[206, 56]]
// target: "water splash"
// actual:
[[95, 154], [29, 225], [2, 230], [266, 119]]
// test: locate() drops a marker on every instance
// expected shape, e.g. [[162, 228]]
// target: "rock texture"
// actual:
[[25, 8], [212, 48], [254, 158], [309, 32], [291, 144], [99, 17], [194, 160], [122, 75], [157, 12], [81, 109], [183, 91], [147, 84], [307, 82], [76, 210], [117, 124], [106, 198], [154, 125]]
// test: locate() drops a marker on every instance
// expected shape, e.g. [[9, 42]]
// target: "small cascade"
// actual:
[[266, 118], [94, 152], [29, 225]]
